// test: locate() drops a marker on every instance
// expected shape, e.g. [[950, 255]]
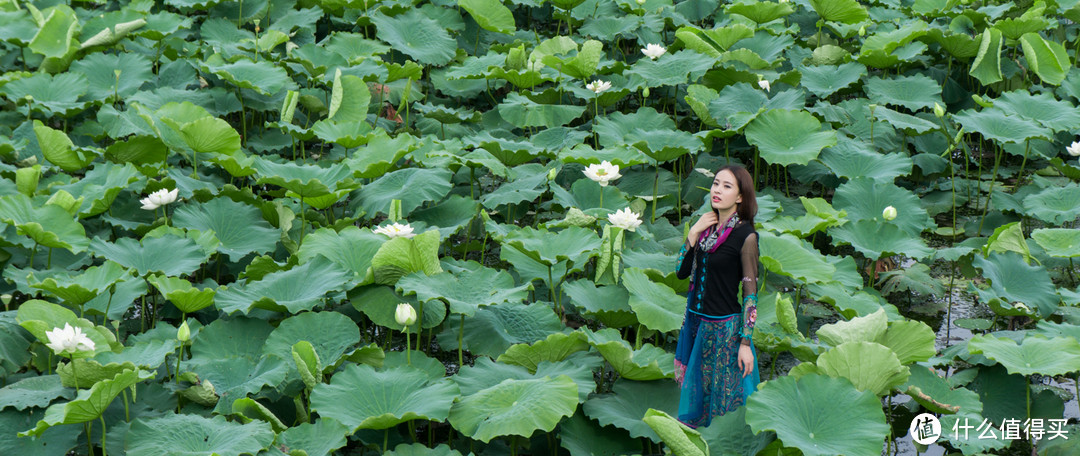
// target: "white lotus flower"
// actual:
[[706, 172], [889, 213], [653, 51], [159, 198], [68, 340], [641, 2], [625, 219], [396, 230], [598, 86], [602, 173], [405, 315], [1074, 149], [764, 84]]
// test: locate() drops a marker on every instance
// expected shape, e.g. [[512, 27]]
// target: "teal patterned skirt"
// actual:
[[707, 368]]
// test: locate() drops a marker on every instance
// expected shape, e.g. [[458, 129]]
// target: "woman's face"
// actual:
[[725, 191]]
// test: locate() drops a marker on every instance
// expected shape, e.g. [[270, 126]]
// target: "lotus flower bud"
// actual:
[[552, 173], [515, 58], [645, 92], [183, 333], [862, 31], [939, 110], [889, 213], [405, 315]]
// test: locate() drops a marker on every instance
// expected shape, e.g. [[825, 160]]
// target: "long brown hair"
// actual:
[[747, 209]]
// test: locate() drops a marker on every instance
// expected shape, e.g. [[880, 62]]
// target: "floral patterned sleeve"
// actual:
[[685, 264], [749, 287]]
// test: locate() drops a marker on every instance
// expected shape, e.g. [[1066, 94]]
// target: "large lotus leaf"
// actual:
[[523, 112], [912, 92], [877, 240], [110, 75], [1013, 280], [846, 11], [556, 347], [379, 303], [656, 305], [100, 186], [210, 134], [575, 244], [58, 149], [417, 36], [300, 288], [819, 415], [934, 393], [412, 186], [788, 256], [869, 366], [1044, 108], [1035, 355], [485, 374], [1058, 242], [609, 304], [996, 125], [1046, 58], [90, 372], [182, 293], [169, 254], [33, 392], [89, 404], [418, 449], [351, 248], [79, 288], [715, 41], [729, 434], [491, 15], [495, 328], [243, 337], [465, 291], [515, 407], [584, 437], [304, 180], [912, 341], [53, 442], [56, 94], [787, 137], [859, 329], [235, 377], [193, 434], [907, 122], [401, 256], [240, 227], [1055, 205], [349, 99], [336, 334], [669, 69], [360, 397], [38, 317], [760, 12], [380, 154], [682, 440], [628, 401], [48, 225], [825, 80], [865, 199], [264, 77], [647, 363], [851, 159], [449, 216], [320, 438]]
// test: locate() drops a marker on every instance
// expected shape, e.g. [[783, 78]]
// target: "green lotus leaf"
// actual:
[[380, 154], [787, 256], [1057, 115], [656, 306], [996, 125], [869, 366], [647, 363], [859, 329], [100, 186], [33, 392], [307, 363], [715, 41], [1055, 205], [509, 152], [495, 328], [193, 434], [139, 150], [246, 410], [104, 83], [182, 293], [865, 199], [400, 256], [379, 303], [300, 288], [669, 69], [485, 373], [628, 401], [240, 227], [523, 112], [234, 377], [608, 304], [584, 437], [1013, 280], [465, 291], [53, 442], [54, 95], [934, 393], [59, 150], [1048, 59], [682, 440], [580, 64], [417, 36], [911, 341], [787, 137], [48, 225], [877, 240], [231, 337], [58, 24], [1058, 242], [987, 64], [81, 288], [412, 186], [556, 347], [360, 397], [38, 317], [729, 434], [449, 216], [418, 449], [491, 15], [575, 244], [263, 76], [336, 334], [760, 12], [739, 103], [304, 180], [912, 92], [169, 255], [349, 99], [210, 134], [1035, 355], [1008, 238], [845, 11], [806, 413], [515, 407], [911, 124], [320, 438], [89, 404], [826, 80], [351, 248]]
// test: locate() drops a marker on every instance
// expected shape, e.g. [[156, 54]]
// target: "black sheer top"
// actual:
[[714, 289]]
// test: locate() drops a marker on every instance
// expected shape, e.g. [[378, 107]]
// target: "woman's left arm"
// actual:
[[749, 256]]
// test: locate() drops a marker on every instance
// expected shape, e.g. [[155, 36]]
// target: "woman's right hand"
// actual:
[[702, 224]]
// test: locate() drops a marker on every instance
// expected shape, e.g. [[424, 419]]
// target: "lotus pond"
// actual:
[[211, 210]]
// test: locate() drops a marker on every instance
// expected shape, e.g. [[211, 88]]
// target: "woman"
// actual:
[[715, 362]]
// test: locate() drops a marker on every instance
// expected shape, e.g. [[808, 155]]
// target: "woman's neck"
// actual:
[[723, 216]]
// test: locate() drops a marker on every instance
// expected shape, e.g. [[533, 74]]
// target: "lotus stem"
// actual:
[[1020, 177], [127, 415], [32, 254], [89, 445], [408, 351], [948, 313], [460, 336], [103, 451], [74, 374], [656, 183], [990, 193], [1027, 392], [637, 338], [385, 439]]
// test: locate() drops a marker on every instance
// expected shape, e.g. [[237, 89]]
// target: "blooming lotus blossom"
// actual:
[[68, 340], [653, 51], [624, 218], [764, 85], [706, 172], [598, 86], [395, 229], [405, 315], [159, 198], [602, 173], [889, 213], [1074, 149]]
